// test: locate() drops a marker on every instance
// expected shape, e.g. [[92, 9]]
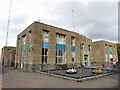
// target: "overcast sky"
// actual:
[[97, 20]]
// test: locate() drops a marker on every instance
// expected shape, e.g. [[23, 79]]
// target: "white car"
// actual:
[[71, 71]]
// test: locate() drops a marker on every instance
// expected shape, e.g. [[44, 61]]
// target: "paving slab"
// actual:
[[14, 78]]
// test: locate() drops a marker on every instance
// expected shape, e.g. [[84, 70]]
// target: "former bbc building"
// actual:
[[42, 44]]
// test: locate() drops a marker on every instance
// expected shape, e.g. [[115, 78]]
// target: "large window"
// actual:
[[24, 39], [110, 49], [106, 52], [45, 36], [60, 56], [73, 56], [45, 46], [60, 38], [73, 41], [60, 49], [30, 36], [29, 42], [114, 52], [44, 55], [23, 51], [73, 48], [89, 47], [81, 46]]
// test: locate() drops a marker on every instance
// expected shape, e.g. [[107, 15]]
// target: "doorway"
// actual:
[[86, 60]]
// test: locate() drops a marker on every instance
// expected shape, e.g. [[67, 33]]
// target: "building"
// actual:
[[12, 57], [118, 51], [104, 52], [8, 55], [42, 44]]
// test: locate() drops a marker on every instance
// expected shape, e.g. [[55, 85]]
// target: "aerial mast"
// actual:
[[8, 22], [73, 18]]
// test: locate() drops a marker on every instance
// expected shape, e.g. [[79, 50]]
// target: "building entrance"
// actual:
[[86, 60]]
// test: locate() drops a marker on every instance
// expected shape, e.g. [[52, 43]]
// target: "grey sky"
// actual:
[[95, 20]]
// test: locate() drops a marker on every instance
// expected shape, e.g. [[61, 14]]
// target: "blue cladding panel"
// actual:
[[60, 47], [44, 45], [23, 47], [110, 52], [29, 45], [106, 51], [86, 63], [73, 48]]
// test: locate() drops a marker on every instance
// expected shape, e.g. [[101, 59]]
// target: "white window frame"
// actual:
[[60, 54], [81, 46], [73, 41], [45, 35], [73, 56], [60, 39], [44, 55]]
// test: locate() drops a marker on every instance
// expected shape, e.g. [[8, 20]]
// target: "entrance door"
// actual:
[[86, 60]]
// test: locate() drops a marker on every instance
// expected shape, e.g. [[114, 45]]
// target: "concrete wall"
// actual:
[[6, 53], [12, 57]]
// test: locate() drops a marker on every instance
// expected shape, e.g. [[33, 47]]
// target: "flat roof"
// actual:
[[53, 27]]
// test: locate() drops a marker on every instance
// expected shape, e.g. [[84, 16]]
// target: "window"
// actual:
[[60, 56], [81, 46], [60, 38], [110, 51], [110, 48], [44, 55], [106, 52], [29, 42], [24, 39], [45, 36], [73, 48], [73, 41], [30, 36], [114, 52], [106, 48], [73, 56], [45, 46], [9, 50], [89, 47], [60, 48]]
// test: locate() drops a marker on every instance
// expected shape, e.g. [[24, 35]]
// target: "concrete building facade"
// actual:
[[104, 52], [42, 44], [8, 55]]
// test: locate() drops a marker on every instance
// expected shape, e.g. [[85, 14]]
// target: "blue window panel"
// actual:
[[60, 47], [86, 63], [44, 45], [23, 47], [110, 52], [29, 45], [106, 52], [73, 48]]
